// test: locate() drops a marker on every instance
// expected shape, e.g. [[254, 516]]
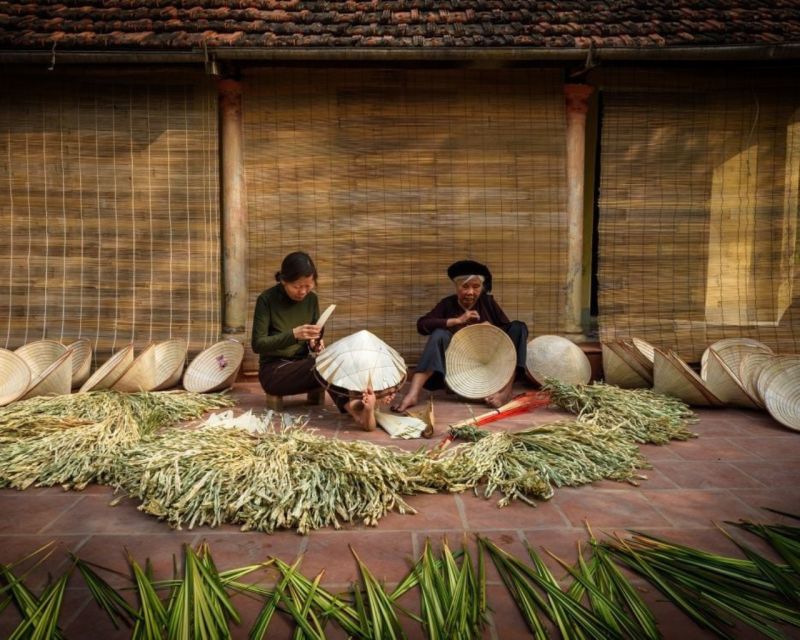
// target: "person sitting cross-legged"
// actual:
[[472, 303]]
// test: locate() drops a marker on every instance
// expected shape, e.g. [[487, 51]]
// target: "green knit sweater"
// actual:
[[275, 316]]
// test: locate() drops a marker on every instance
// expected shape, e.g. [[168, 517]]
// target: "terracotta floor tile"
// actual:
[[686, 507], [770, 473], [483, 514], [785, 499], [92, 514], [232, 549], [656, 453], [712, 474], [652, 479], [434, 512], [32, 512], [606, 508], [712, 448], [387, 554], [778, 447]]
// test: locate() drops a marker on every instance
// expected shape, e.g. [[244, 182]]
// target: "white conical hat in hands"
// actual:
[[361, 360]]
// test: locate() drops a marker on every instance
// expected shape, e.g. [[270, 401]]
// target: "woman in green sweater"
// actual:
[[285, 337]]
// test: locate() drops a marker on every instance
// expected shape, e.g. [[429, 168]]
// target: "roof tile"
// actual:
[[190, 24]]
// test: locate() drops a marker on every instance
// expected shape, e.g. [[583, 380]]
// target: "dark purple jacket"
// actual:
[[436, 318]]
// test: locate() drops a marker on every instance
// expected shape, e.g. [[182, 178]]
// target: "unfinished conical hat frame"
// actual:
[[15, 377], [170, 360], [673, 377], [617, 370], [56, 380], [479, 361], [40, 354], [771, 370], [722, 382], [559, 358], [749, 369], [110, 371], [782, 397], [359, 360], [214, 368], [141, 375], [731, 351], [81, 361]]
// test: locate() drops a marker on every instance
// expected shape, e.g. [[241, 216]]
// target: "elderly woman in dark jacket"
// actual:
[[471, 303]]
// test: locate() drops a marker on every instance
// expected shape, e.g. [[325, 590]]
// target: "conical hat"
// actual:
[[110, 371], [170, 360], [81, 361], [634, 358], [772, 369], [40, 354], [56, 380], [360, 360], [749, 370], [617, 371], [782, 396], [721, 381], [15, 377], [645, 348], [141, 375], [731, 351], [479, 361], [556, 357], [214, 368], [673, 377]]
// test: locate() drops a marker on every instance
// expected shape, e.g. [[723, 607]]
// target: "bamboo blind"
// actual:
[[387, 176], [109, 210], [698, 209]]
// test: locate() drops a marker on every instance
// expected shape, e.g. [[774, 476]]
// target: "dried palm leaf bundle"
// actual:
[[529, 464], [72, 440], [289, 478], [646, 416]]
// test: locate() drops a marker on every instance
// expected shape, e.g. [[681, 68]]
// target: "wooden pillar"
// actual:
[[577, 96], [234, 210]]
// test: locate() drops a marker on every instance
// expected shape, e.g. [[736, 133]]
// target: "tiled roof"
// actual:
[[161, 25]]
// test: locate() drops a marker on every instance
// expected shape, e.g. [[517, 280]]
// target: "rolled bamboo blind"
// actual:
[[698, 209], [386, 176], [109, 210]]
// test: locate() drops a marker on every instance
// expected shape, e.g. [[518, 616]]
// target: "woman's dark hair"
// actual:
[[295, 266]]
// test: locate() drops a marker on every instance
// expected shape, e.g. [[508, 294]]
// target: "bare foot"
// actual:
[[498, 399], [405, 403], [363, 410]]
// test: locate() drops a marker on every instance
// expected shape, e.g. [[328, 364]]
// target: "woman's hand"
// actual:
[[316, 345], [468, 317], [306, 332]]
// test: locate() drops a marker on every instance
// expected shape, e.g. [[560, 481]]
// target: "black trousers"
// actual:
[[285, 377], [433, 359]]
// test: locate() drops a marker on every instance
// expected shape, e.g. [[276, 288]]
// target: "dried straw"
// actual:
[[646, 416], [291, 478]]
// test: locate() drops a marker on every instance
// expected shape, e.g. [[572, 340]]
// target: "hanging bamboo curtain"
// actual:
[[698, 209], [109, 211], [387, 176]]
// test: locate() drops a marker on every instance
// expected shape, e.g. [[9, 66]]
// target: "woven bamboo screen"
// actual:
[[699, 208], [109, 210], [387, 176]]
